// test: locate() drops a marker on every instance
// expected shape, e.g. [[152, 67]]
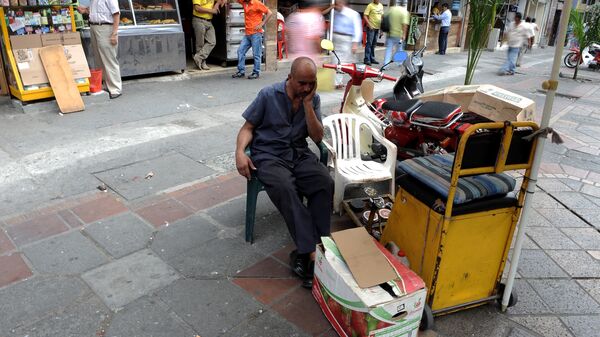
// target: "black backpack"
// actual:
[[385, 23]]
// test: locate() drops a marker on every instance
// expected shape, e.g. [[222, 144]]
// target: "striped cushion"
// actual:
[[435, 172]]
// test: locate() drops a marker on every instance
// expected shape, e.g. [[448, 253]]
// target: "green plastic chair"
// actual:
[[254, 186]]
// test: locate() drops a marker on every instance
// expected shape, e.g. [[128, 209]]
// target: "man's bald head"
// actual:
[[302, 78], [303, 65]]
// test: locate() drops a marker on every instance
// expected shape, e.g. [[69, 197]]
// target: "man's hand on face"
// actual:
[[309, 97], [244, 165]]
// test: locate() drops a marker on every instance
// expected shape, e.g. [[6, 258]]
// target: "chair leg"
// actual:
[[253, 187], [393, 189], [338, 197]]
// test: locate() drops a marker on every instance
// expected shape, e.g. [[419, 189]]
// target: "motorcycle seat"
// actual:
[[437, 110], [408, 106]]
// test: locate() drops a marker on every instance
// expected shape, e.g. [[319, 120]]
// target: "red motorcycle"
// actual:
[[590, 56], [416, 127]]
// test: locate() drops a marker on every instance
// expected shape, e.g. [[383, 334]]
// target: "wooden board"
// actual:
[[61, 79]]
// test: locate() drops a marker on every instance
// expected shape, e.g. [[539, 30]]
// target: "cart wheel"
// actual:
[[427, 319], [513, 296]]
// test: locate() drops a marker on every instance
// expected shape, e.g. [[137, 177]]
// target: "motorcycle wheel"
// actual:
[[571, 60]]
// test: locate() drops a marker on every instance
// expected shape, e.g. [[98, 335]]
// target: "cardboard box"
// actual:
[[25, 50], [486, 100], [71, 38], [51, 39], [372, 311]]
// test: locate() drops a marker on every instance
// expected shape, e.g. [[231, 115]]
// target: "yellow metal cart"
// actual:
[[460, 250], [15, 84]]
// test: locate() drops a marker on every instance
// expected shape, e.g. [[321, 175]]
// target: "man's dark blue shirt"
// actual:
[[279, 132]]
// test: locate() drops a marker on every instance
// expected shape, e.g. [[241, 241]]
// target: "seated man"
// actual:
[[277, 124]]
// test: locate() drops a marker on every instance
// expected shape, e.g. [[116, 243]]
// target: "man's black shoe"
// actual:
[[375, 62], [238, 75], [368, 63], [113, 96], [253, 76], [301, 265]]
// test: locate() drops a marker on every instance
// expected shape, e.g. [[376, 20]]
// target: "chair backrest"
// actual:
[[281, 23], [345, 132]]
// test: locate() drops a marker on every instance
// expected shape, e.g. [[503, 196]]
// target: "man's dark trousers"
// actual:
[[371, 42], [285, 183], [443, 40]]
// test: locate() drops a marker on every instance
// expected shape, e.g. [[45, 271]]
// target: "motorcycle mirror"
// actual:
[[400, 56], [327, 45]]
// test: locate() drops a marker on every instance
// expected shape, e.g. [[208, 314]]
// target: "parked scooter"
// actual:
[[590, 56], [417, 128]]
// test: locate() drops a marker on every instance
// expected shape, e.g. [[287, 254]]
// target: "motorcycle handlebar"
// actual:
[[351, 70]]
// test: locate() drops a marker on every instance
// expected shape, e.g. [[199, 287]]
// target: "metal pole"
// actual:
[[551, 87], [331, 21], [427, 26]]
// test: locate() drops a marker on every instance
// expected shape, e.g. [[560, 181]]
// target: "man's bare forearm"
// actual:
[[314, 126], [244, 138]]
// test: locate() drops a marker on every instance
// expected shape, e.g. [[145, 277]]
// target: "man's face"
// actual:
[[302, 83], [375, 1]]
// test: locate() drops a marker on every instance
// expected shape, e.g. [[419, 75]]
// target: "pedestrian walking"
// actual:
[[445, 18], [399, 18], [304, 29], [104, 31], [517, 35], [347, 34], [204, 31], [256, 15], [529, 42], [372, 16], [277, 124]]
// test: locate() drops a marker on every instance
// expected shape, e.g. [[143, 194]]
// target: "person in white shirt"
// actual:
[[517, 35], [445, 18], [104, 28], [529, 43]]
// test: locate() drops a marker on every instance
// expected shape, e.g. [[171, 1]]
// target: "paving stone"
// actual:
[[70, 253], [100, 208], [575, 185], [267, 324], [586, 238], [592, 286], [233, 213], [550, 238], [536, 264], [480, 321], [553, 185], [574, 171], [535, 219], [583, 326], [217, 258], [5, 244], [270, 233], [28, 301], [214, 194], [562, 217], [267, 290], [70, 219], [527, 242], [122, 281], [543, 200], [594, 253], [518, 332], [211, 307], [592, 216], [120, 235], [82, 319], [164, 212], [148, 317], [591, 190], [529, 301], [300, 308], [131, 183], [544, 325], [183, 235], [574, 200], [565, 297], [577, 263], [13, 269], [36, 229], [267, 268]]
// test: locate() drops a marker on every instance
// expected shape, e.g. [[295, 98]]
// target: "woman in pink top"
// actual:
[[304, 29]]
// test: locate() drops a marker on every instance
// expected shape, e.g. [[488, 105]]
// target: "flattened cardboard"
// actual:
[[367, 264], [77, 61], [26, 52]]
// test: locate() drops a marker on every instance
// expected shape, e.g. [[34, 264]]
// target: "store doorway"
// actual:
[[555, 23], [185, 10]]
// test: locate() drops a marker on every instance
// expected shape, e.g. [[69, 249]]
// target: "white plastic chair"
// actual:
[[348, 166]]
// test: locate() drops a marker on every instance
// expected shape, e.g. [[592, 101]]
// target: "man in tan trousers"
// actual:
[[204, 30], [104, 27]]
